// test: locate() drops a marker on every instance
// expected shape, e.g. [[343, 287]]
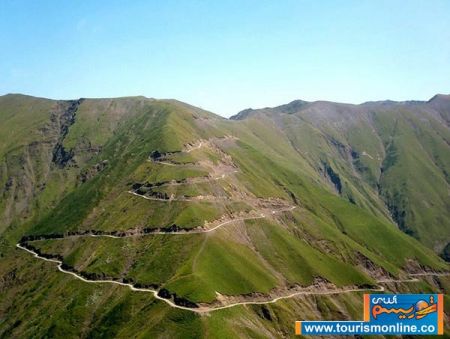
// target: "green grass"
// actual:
[[129, 211], [297, 260], [414, 180], [226, 267], [151, 259], [282, 157], [156, 172]]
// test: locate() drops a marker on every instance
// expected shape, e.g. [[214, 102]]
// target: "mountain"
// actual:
[[221, 227], [390, 157]]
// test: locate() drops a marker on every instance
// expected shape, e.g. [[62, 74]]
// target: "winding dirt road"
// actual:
[[197, 230], [202, 308], [130, 286], [206, 309]]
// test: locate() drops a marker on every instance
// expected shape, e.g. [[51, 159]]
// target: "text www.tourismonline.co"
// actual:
[[336, 327]]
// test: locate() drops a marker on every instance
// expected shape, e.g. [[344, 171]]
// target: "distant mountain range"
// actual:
[[307, 205]]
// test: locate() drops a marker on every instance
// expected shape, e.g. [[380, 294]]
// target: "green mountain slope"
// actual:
[[390, 158], [209, 212]]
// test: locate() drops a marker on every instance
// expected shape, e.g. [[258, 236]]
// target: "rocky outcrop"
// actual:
[[333, 176], [159, 156], [445, 254], [166, 294], [61, 156], [91, 172], [173, 228], [371, 268]]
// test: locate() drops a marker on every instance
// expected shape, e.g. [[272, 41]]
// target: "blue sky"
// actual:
[[225, 56]]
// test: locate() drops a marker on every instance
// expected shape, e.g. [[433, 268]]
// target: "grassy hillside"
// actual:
[[211, 211], [392, 159]]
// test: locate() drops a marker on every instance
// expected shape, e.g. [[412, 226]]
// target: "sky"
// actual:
[[225, 56]]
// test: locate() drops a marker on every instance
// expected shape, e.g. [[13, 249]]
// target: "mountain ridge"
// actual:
[[298, 103], [207, 211]]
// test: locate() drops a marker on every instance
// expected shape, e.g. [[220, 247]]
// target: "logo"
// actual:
[[395, 307], [387, 314]]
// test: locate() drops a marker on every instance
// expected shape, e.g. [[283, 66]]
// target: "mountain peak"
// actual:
[[440, 97], [292, 107], [243, 114]]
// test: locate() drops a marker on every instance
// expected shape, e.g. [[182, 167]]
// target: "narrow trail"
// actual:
[[200, 145], [186, 150], [199, 252], [130, 286], [195, 198], [191, 181], [195, 180], [206, 309], [197, 230], [426, 274], [385, 281], [160, 199], [202, 309], [163, 162], [188, 181]]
